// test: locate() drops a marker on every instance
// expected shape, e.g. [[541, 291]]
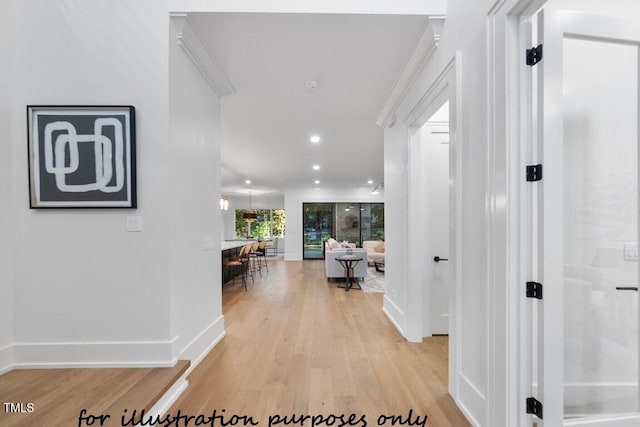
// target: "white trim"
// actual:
[[6, 358], [474, 401], [424, 49], [403, 7], [510, 346], [455, 248], [394, 313], [169, 397], [202, 344], [93, 355], [448, 81], [431, 99], [191, 44]]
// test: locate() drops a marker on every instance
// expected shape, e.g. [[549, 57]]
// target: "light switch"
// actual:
[[209, 243], [631, 251], [134, 223]]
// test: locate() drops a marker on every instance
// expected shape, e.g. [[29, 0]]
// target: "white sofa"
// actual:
[[333, 267], [375, 250]]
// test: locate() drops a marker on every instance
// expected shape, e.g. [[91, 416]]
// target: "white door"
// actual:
[[587, 215], [435, 151]]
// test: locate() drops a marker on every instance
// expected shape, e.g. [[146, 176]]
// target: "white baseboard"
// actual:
[[164, 403], [471, 401], [202, 344], [93, 355], [584, 399], [6, 359], [394, 313], [292, 256]]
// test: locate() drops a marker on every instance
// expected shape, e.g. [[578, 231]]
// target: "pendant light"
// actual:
[[249, 215], [224, 203]]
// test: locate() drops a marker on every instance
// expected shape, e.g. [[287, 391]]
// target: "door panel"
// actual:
[[588, 256], [435, 162]]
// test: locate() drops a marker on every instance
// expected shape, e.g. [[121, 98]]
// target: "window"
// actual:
[[270, 223]]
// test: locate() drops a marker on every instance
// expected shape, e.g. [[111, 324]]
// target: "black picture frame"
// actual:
[[82, 156]]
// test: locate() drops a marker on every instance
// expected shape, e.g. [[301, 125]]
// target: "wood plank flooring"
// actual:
[[297, 344], [294, 344], [59, 395]]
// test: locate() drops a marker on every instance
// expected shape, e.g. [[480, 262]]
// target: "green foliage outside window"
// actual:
[[377, 221], [278, 222], [262, 227]]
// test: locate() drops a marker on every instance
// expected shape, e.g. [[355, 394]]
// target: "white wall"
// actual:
[[87, 291], [396, 226], [96, 285], [464, 32], [294, 198], [194, 153], [6, 241]]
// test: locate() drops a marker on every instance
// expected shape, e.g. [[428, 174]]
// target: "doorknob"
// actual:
[[438, 259]]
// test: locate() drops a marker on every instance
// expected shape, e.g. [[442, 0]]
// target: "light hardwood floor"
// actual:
[[59, 395], [297, 344], [294, 344]]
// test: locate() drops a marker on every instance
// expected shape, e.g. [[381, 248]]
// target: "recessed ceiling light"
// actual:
[[317, 181], [316, 167], [311, 85], [248, 181], [347, 210], [315, 139], [370, 182]]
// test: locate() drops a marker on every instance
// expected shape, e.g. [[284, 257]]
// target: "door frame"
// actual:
[[558, 24], [510, 373], [509, 205], [445, 87]]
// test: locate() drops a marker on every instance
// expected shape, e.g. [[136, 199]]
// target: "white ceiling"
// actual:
[[267, 122]]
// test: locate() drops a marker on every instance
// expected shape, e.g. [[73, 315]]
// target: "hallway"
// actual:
[[296, 344]]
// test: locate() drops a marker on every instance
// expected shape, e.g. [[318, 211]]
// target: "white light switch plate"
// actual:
[[134, 223], [209, 243], [631, 251]]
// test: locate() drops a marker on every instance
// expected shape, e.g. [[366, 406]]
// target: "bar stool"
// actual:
[[253, 255], [261, 252], [246, 262], [236, 267]]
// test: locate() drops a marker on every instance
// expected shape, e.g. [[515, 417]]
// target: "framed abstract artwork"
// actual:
[[81, 156]]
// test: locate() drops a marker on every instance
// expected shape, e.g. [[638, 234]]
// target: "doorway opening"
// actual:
[[430, 158], [434, 217]]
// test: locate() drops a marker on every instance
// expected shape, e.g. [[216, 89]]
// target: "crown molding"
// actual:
[[189, 41], [424, 49]]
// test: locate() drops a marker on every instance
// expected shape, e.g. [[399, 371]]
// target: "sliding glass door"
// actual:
[[348, 223], [317, 226], [351, 222]]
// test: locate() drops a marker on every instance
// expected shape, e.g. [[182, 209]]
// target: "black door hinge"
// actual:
[[534, 406], [534, 173], [534, 290], [534, 55]]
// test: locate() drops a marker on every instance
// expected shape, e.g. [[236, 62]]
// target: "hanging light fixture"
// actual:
[[249, 215], [224, 203]]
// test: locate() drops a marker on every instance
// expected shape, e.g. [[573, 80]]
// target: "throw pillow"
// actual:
[[379, 248], [334, 244], [345, 244]]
